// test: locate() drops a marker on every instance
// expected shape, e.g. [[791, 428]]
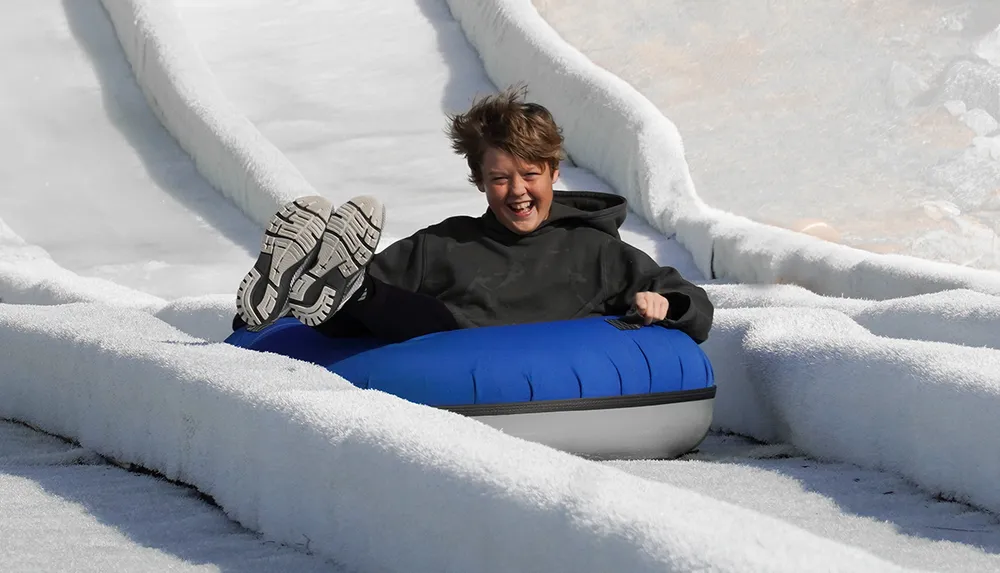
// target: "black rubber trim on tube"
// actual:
[[580, 404]]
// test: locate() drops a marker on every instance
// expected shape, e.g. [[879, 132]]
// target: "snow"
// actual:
[[808, 109], [817, 379], [28, 275], [885, 373], [871, 510], [89, 174], [227, 149], [964, 318], [988, 48], [72, 511]]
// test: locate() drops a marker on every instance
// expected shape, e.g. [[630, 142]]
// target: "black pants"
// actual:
[[388, 313]]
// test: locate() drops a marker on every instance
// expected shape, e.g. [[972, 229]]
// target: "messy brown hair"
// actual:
[[504, 121]]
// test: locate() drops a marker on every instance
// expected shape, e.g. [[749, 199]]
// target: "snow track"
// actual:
[[379, 484], [89, 173], [78, 513]]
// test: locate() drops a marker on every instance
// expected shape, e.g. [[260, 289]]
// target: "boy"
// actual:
[[535, 255]]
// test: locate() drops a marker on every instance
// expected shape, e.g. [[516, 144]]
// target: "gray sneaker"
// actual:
[[349, 241], [289, 246]]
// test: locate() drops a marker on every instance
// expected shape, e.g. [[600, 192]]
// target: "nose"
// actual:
[[519, 186]]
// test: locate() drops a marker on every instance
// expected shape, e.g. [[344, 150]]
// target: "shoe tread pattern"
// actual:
[[289, 244], [351, 236]]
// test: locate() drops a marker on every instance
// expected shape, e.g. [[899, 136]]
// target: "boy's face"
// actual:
[[519, 193]]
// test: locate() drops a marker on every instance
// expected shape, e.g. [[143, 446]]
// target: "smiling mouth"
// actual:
[[521, 208]]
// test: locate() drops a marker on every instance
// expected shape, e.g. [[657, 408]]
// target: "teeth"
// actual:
[[520, 206]]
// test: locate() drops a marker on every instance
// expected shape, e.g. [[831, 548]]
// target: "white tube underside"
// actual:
[[641, 432]]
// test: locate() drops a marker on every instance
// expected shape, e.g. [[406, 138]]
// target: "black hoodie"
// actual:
[[572, 266]]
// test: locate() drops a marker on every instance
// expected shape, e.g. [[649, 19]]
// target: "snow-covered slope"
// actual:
[[379, 484], [819, 380], [89, 174]]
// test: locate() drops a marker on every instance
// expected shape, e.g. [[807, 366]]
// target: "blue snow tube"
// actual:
[[508, 375]]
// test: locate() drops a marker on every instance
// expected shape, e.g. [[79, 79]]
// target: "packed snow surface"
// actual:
[[67, 509], [876, 511], [90, 175]]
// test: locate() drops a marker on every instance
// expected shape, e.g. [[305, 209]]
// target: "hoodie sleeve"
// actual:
[[401, 264], [628, 271]]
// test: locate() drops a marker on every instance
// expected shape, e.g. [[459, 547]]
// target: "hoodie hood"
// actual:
[[602, 211]]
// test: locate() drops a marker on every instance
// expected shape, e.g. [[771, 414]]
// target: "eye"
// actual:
[[498, 179]]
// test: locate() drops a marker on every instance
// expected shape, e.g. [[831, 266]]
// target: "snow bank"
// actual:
[[183, 93], [962, 317], [209, 317], [817, 379], [28, 275], [905, 384], [293, 451], [618, 134]]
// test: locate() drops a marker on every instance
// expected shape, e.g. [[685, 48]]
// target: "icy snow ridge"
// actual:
[[960, 317], [817, 379]]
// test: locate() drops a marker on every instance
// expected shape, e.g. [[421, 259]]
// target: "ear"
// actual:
[[555, 175]]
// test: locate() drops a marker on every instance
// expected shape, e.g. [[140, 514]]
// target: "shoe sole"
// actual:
[[289, 244], [349, 241]]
